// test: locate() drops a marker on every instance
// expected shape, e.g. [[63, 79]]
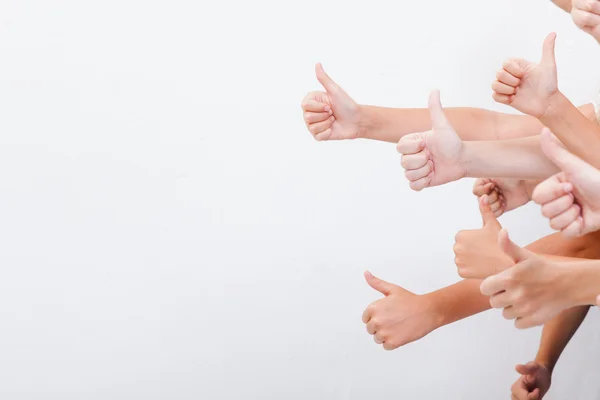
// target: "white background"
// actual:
[[170, 230]]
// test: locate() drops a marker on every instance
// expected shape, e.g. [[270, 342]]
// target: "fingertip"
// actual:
[[484, 200]]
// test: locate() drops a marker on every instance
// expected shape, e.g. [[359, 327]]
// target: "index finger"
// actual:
[[366, 316], [410, 144], [549, 190], [493, 284], [315, 106]]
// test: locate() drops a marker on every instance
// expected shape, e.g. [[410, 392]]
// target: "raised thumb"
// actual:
[[487, 215], [560, 156], [527, 369], [380, 285], [516, 253], [326, 81], [436, 112], [548, 49]]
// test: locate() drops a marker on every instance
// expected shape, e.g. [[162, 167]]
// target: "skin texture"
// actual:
[[505, 194], [571, 198], [476, 255], [585, 14], [536, 375], [533, 89], [536, 289], [526, 86], [391, 124], [402, 317], [463, 299]]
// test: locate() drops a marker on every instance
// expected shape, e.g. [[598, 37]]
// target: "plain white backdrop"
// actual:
[[170, 230]]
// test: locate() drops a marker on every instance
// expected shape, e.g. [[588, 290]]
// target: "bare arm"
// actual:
[[523, 158], [576, 130], [463, 299], [390, 124], [516, 158], [564, 4], [557, 333]]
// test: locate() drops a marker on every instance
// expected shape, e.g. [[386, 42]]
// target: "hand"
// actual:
[[532, 291], [571, 198], [331, 115], [526, 86], [533, 383], [477, 254], [586, 15], [503, 194], [434, 157], [400, 317]]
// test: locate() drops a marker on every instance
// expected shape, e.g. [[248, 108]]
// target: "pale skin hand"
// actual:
[[504, 194], [332, 114], [571, 198], [526, 86], [586, 15], [400, 317], [477, 254], [533, 383], [534, 290], [432, 158]]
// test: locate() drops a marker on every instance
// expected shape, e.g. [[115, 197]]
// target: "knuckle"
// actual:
[[372, 309], [376, 323], [457, 250], [555, 225], [404, 162], [459, 236]]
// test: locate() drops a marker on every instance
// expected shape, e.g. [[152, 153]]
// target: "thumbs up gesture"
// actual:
[[434, 157], [332, 114], [533, 290], [526, 86], [401, 316], [571, 198], [477, 254]]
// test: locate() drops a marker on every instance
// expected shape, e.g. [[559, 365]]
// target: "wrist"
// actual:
[[435, 309], [468, 161], [556, 106], [546, 361], [366, 121]]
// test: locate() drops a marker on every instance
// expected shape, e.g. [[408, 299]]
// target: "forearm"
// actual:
[[564, 4], [557, 333], [391, 124], [516, 158], [464, 298], [460, 300], [574, 127]]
